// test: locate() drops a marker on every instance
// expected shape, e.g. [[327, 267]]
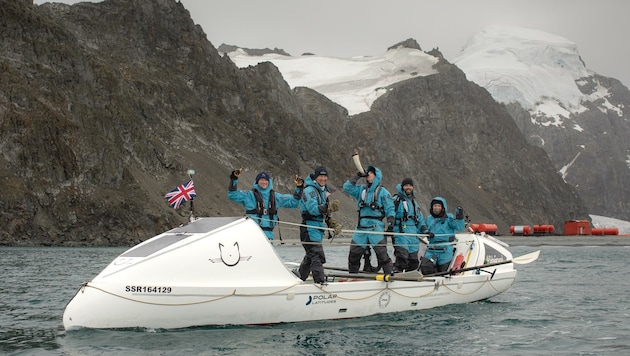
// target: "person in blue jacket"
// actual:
[[262, 202], [442, 227], [316, 208], [374, 203], [409, 220]]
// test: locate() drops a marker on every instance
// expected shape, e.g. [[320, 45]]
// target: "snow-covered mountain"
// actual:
[[577, 116], [353, 83], [540, 71]]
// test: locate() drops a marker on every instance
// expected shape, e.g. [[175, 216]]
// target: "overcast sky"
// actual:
[[348, 28]]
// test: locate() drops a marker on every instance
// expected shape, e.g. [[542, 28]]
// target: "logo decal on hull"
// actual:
[[230, 255], [321, 299], [493, 255], [383, 300]]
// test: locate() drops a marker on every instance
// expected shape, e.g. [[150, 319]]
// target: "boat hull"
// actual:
[[249, 305], [179, 282]]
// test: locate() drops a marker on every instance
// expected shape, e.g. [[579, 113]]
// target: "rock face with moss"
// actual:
[[104, 106]]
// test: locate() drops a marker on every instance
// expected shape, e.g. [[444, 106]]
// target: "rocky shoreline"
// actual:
[[569, 241], [551, 240]]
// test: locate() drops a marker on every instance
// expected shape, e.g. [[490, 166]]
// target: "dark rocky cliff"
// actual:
[[104, 106], [591, 148]]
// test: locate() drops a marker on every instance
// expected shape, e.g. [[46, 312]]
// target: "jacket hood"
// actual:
[[441, 201], [378, 176], [310, 180]]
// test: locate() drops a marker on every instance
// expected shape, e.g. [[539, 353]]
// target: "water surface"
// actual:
[[571, 301]]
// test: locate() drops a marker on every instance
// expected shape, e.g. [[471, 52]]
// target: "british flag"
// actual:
[[181, 194]]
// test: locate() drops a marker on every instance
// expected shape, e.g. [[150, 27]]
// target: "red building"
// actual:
[[577, 227]]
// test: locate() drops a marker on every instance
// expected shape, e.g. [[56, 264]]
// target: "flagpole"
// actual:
[[192, 208]]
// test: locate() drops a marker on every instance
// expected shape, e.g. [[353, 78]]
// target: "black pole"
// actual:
[[467, 269]]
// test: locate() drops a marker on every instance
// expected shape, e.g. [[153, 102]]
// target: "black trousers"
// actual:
[[313, 261], [356, 252], [428, 267], [405, 260]]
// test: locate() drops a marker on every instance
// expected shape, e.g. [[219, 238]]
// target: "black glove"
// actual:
[[232, 186], [430, 235], [459, 213], [390, 223], [388, 233], [235, 173], [323, 209], [361, 174], [299, 182]]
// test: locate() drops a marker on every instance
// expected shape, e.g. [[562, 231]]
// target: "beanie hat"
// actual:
[[263, 175], [321, 171], [371, 169], [406, 181]]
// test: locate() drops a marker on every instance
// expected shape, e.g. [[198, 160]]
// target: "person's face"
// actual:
[[321, 180], [408, 189], [370, 176], [263, 183], [437, 208]]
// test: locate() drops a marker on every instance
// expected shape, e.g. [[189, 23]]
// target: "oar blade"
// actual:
[[410, 274], [525, 259]]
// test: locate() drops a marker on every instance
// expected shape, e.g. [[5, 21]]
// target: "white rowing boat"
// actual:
[[221, 271]]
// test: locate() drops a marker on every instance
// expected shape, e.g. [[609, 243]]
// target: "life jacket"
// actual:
[[306, 216], [406, 216], [372, 205], [260, 209]]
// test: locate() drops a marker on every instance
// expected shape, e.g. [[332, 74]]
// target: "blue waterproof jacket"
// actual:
[[372, 209], [266, 219], [409, 220], [313, 197], [444, 227]]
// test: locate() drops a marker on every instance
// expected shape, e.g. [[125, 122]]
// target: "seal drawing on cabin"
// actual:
[[230, 255]]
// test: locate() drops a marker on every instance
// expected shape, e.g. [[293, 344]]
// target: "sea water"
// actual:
[[571, 301]]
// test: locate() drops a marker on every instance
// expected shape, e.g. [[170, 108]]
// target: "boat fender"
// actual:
[[458, 263]]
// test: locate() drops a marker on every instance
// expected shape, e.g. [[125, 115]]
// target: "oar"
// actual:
[[380, 277], [521, 260]]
